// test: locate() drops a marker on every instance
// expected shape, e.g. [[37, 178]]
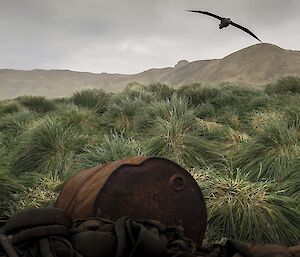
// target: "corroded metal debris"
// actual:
[[140, 188]]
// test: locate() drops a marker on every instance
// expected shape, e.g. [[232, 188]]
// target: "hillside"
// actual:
[[256, 65]]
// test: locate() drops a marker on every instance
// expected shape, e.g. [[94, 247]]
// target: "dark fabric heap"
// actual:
[[50, 232]]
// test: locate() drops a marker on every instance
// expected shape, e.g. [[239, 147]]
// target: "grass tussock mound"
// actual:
[[49, 147], [247, 209], [286, 85], [95, 99], [37, 104]]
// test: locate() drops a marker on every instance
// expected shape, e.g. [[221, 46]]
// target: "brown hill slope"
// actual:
[[256, 65]]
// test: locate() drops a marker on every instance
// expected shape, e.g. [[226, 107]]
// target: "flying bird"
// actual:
[[225, 22]]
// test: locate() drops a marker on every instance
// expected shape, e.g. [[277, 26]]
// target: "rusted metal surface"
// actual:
[[140, 188]]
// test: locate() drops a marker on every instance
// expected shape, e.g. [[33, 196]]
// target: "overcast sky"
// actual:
[[129, 36]]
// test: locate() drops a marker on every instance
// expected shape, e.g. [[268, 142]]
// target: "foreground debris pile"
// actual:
[[140, 187], [50, 232]]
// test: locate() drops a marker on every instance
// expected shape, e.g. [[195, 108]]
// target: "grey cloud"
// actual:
[[132, 35]]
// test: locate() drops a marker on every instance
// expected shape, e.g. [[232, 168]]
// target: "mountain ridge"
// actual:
[[256, 65]]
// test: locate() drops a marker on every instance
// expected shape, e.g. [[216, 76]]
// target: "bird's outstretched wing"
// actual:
[[244, 29], [207, 13]]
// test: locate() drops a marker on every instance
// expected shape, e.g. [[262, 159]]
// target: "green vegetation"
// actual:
[[286, 85], [271, 151], [241, 145], [38, 192], [9, 107], [172, 133], [14, 124], [9, 186], [49, 147], [113, 147], [37, 104], [95, 99], [247, 209]]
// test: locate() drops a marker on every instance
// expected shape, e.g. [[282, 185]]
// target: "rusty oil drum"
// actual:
[[140, 188]]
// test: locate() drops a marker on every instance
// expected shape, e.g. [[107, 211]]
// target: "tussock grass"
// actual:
[[134, 91], [37, 104], [232, 140], [82, 119], [239, 101], [291, 109], [161, 91], [8, 107], [175, 107], [198, 94], [229, 140], [2, 147], [225, 99], [113, 147], [206, 111], [198, 126], [4, 153], [173, 134], [271, 152], [257, 102], [230, 118], [50, 147], [291, 181], [286, 85], [176, 140], [42, 193], [248, 210], [260, 120], [9, 186], [95, 99], [124, 115], [207, 126], [14, 124]]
